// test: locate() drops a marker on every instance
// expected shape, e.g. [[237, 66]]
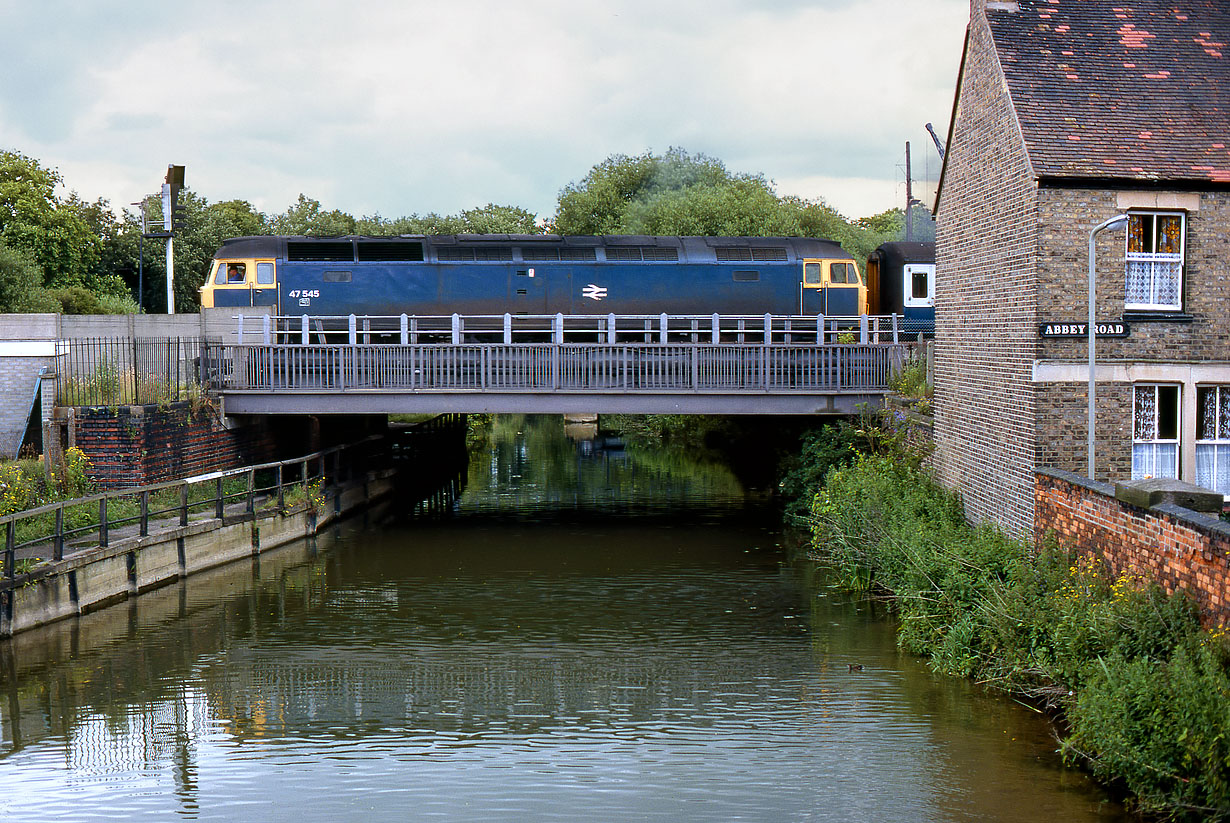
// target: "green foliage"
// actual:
[[24, 485], [308, 217], [1143, 688], [820, 451], [1161, 728], [34, 219], [77, 300], [678, 193], [488, 219], [911, 380], [21, 284]]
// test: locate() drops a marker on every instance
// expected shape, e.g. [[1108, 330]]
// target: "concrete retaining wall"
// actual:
[[99, 577], [28, 346]]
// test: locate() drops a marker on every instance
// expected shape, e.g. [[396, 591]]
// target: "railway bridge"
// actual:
[[661, 364]]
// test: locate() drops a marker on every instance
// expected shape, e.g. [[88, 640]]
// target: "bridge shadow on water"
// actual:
[[535, 469]]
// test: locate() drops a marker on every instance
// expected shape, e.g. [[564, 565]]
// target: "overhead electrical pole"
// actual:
[[909, 196]]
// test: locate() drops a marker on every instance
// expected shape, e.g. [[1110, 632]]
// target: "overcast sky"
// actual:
[[398, 108]]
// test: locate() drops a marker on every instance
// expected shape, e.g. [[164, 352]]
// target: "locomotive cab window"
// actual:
[[843, 274], [811, 274], [230, 274], [264, 274]]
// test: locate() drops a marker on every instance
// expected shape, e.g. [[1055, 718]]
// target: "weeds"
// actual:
[[1144, 690]]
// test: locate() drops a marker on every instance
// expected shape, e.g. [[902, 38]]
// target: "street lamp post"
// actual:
[[1116, 222]]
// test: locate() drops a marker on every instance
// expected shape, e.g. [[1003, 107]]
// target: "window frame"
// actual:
[[1152, 443], [1219, 444], [908, 272], [1154, 260]]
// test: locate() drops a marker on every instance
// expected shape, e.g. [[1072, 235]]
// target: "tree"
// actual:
[[682, 194], [33, 218], [308, 217], [21, 284], [488, 219], [598, 204]]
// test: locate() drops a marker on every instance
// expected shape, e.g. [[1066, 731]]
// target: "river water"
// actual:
[[591, 634]]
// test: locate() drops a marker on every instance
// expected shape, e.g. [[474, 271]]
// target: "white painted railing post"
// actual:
[[768, 329], [717, 328], [819, 329], [456, 329], [862, 328], [303, 330], [663, 324], [557, 331], [507, 329], [610, 329], [266, 338], [352, 330], [403, 325], [895, 339], [239, 330]]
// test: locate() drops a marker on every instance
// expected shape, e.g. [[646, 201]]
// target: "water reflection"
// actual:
[[576, 667], [531, 465]]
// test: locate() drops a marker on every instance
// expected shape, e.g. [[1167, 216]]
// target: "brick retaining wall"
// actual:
[[1178, 548], [139, 445]]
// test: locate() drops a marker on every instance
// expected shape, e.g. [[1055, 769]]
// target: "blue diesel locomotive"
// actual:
[[493, 274]]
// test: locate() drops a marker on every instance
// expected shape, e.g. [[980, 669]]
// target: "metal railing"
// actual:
[[47, 532], [523, 367], [127, 371], [560, 328]]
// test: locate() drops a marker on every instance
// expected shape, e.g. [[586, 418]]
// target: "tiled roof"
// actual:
[[1135, 89]]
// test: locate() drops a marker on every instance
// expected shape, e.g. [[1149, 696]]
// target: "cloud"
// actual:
[[403, 107]]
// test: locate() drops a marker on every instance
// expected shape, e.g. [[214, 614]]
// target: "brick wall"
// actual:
[[1158, 349], [985, 308], [1179, 549], [137, 445]]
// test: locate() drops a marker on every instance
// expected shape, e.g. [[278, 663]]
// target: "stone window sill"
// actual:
[[1130, 316]]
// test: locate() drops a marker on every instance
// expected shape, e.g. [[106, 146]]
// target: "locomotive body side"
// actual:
[[538, 274]]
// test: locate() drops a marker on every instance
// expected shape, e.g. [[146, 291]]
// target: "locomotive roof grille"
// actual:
[[575, 254], [466, 254], [747, 254], [637, 253], [733, 254], [324, 251], [396, 251]]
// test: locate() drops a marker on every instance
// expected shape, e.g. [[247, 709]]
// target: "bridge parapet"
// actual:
[[560, 328]]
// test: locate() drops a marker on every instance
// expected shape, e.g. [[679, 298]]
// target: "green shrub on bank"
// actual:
[[1144, 690]]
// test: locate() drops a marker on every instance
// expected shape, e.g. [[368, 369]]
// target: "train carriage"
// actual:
[[536, 274], [901, 280]]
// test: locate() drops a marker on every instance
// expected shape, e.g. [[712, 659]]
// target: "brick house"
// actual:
[[1067, 113]]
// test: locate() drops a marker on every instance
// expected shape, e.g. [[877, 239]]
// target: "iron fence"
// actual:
[[752, 329], [128, 371], [554, 367], [50, 532]]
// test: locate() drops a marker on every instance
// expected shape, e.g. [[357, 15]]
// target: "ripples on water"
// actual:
[[611, 656]]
